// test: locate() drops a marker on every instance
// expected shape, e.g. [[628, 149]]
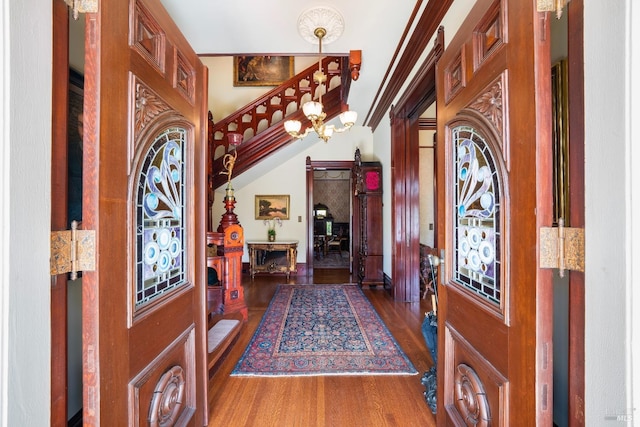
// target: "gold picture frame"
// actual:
[[560, 117], [267, 70], [272, 206]]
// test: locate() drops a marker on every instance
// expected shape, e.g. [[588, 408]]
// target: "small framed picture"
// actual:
[[269, 207], [262, 70]]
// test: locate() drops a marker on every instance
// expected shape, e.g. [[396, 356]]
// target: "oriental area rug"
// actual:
[[332, 260], [322, 330]]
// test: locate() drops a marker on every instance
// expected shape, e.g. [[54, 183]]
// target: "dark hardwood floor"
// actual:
[[382, 400]]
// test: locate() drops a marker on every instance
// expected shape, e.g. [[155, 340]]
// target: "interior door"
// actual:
[[495, 304], [145, 195]]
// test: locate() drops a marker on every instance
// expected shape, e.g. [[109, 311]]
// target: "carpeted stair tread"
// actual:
[[219, 332]]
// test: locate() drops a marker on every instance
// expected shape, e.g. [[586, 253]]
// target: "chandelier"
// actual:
[[314, 110]]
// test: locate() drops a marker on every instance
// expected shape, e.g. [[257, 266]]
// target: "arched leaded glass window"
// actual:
[[477, 220], [160, 232]]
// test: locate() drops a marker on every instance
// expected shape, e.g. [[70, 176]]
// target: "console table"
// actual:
[[272, 257]]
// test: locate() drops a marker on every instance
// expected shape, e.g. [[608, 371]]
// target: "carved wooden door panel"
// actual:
[[494, 317], [145, 195]]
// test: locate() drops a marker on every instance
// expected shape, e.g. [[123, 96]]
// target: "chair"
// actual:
[[319, 246], [427, 271], [335, 244]]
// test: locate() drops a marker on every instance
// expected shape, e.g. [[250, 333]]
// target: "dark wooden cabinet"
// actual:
[[367, 222]]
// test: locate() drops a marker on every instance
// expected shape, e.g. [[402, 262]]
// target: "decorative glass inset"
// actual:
[[160, 217], [477, 217]]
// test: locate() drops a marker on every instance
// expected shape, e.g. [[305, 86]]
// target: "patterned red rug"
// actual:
[[322, 330]]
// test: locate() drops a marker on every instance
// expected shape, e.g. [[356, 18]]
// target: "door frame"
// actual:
[[575, 59], [405, 194], [311, 166], [59, 181]]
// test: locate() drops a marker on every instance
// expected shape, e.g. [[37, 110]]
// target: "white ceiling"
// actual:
[[261, 27]]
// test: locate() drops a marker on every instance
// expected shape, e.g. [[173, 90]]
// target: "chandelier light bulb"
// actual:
[[348, 118], [312, 109], [292, 126], [328, 130]]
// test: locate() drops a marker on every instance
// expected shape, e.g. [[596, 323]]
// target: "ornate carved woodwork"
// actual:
[[148, 302], [489, 104], [229, 217], [470, 397], [147, 106], [168, 398], [494, 148], [273, 257], [230, 246], [160, 394], [367, 181], [225, 300]]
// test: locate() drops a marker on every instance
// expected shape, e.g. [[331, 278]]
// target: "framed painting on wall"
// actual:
[[269, 207], [262, 70]]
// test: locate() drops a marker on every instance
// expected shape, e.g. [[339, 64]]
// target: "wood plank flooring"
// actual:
[[336, 401]]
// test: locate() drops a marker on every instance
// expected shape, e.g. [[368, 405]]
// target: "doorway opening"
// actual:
[[66, 160], [330, 202], [331, 218]]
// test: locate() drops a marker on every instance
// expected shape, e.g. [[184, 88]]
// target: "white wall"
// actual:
[[633, 249], [427, 193], [382, 153], [4, 216], [26, 200]]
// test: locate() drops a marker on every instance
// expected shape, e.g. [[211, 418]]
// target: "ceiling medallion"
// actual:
[[320, 17]]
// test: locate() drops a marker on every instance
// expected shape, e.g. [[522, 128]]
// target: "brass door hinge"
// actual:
[[73, 251], [82, 6], [562, 248], [556, 6]]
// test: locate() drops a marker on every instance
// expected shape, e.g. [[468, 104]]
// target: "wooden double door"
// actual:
[[144, 330], [145, 195], [494, 194]]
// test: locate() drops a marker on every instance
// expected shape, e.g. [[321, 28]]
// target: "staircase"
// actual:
[[261, 122]]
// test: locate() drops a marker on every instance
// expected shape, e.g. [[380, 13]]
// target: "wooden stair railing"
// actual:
[[261, 122]]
